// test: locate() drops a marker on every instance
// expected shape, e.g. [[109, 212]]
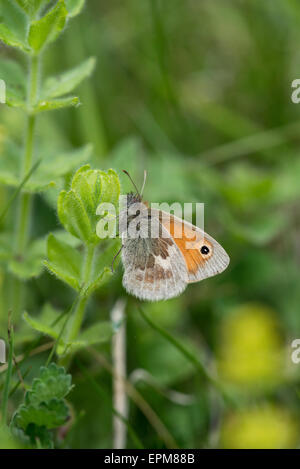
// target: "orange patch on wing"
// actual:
[[192, 257], [189, 241]]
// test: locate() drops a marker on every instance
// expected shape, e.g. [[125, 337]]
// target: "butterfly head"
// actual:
[[133, 198]]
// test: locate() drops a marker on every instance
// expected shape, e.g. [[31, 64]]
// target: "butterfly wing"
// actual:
[[154, 267], [204, 256]]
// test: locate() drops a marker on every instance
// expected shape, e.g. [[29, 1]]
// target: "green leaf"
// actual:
[[106, 254], [65, 237], [33, 186], [13, 100], [77, 208], [86, 183], [60, 164], [50, 415], [50, 171], [64, 261], [96, 334], [68, 81], [10, 163], [44, 322], [44, 407], [53, 382], [13, 25], [47, 29], [98, 282], [55, 167], [102, 268], [48, 322], [15, 80], [31, 7], [73, 216], [74, 7], [110, 187], [54, 104], [10, 39], [30, 264]]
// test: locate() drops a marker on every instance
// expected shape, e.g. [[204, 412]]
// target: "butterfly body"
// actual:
[[161, 253]]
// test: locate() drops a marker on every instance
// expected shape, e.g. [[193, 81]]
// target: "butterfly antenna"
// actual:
[[127, 174], [115, 257], [144, 182]]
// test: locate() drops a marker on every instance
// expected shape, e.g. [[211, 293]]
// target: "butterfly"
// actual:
[[160, 267]]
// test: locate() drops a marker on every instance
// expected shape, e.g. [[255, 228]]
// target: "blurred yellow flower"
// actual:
[[265, 427], [251, 352]]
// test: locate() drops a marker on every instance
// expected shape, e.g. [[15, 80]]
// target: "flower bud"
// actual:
[[77, 207]]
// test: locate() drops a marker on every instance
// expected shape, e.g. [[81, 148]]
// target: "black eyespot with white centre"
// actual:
[[205, 251]]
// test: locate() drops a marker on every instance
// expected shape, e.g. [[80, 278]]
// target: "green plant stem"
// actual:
[[67, 314], [80, 310], [8, 374], [77, 319], [23, 219], [24, 207]]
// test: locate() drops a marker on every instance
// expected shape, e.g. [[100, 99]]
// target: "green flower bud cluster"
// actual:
[[77, 207]]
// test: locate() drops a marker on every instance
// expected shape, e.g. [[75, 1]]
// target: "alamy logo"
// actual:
[[2, 351], [138, 220], [296, 353], [2, 92]]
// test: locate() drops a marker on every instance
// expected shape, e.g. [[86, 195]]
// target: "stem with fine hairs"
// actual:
[[24, 204]]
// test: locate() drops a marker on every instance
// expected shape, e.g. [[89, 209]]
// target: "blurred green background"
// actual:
[[199, 94]]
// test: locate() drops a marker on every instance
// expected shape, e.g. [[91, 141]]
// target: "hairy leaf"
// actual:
[[61, 164], [54, 104], [77, 209], [110, 187], [102, 268], [31, 7], [68, 81], [101, 278], [64, 261], [96, 334], [15, 80], [74, 7], [43, 323], [13, 25], [73, 216], [50, 415], [50, 171], [30, 264], [53, 382], [47, 29], [44, 407]]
